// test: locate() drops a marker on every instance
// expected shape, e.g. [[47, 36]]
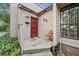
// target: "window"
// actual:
[[73, 31], [70, 23]]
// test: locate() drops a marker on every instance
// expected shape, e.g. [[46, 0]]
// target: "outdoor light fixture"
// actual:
[[27, 16], [19, 5], [45, 20], [27, 23]]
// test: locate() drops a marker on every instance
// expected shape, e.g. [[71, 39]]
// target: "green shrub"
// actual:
[[9, 46]]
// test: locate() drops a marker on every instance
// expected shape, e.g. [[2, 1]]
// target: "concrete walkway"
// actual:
[[40, 52], [37, 47]]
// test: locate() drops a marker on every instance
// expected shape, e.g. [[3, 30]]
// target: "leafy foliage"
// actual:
[[4, 27], [5, 15], [5, 12], [9, 46]]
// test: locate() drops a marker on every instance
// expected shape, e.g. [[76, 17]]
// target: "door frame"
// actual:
[[31, 26]]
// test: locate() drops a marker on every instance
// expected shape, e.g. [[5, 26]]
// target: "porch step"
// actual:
[[38, 52]]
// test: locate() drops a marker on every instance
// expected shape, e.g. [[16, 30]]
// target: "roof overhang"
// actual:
[[21, 6], [27, 9], [45, 10], [33, 6]]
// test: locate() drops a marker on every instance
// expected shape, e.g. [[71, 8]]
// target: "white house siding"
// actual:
[[56, 24], [44, 27], [13, 20]]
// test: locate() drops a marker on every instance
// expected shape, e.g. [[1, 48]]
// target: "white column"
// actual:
[[56, 24], [13, 20]]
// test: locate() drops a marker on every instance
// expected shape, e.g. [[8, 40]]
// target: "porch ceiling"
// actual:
[[33, 7], [61, 5]]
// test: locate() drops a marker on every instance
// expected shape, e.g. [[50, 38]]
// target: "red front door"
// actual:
[[34, 27]]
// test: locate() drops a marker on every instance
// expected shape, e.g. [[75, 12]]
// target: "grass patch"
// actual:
[[8, 46]]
